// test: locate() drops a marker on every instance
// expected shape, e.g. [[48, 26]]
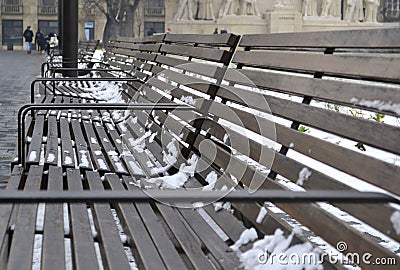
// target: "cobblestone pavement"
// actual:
[[17, 70]]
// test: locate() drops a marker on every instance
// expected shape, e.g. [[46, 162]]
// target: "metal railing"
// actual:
[[11, 9], [154, 11], [47, 10]]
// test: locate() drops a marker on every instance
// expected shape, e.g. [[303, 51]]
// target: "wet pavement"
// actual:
[[17, 71]]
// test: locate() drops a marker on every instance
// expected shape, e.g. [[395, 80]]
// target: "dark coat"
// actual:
[[39, 39], [28, 35]]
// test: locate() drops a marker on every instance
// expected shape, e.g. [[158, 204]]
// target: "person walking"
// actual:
[[28, 35], [40, 42]]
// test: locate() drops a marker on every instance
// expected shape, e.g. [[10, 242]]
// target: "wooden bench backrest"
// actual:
[[324, 82], [293, 83]]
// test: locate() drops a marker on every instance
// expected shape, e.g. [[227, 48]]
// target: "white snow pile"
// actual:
[[261, 215], [109, 92], [395, 219], [102, 164], [246, 237], [377, 104], [84, 159], [51, 157], [152, 137], [177, 180], [304, 174], [189, 100], [32, 156], [223, 205], [97, 55], [211, 179], [218, 206], [169, 157], [226, 137], [274, 252], [68, 160], [139, 143]]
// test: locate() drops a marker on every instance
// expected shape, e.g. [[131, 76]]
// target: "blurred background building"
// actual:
[[102, 19]]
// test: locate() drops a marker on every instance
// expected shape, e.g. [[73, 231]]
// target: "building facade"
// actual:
[[155, 16], [16, 15], [277, 16]]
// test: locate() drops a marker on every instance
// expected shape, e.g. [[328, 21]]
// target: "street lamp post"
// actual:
[[70, 35]]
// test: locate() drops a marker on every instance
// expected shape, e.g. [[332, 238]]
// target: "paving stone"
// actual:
[[17, 71]]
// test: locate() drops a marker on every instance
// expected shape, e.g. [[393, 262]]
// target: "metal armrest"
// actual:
[[54, 80]]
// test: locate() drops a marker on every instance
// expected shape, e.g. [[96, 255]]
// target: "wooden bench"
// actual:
[[86, 48], [289, 118]]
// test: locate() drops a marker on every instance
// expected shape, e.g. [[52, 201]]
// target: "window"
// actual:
[[89, 30], [11, 7], [47, 26], [12, 32], [393, 5], [48, 3], [12, 2], [48, 7], [155, 3], [158, 27]]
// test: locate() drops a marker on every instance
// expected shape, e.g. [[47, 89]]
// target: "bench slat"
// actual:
[[25, 225], [164, 245], [82, 154], [95, 149], [7, 216], [53, 250], [36, 142], [378, 38], [198, 52], [110, 242], [220, 39], [68, 158], [218, 249], [83, 250], [190, 245], [51, 157], [372, 67], [139, 238]]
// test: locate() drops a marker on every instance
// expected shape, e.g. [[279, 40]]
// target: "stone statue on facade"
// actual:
[[371, 10], [283, 4], [331, 8], [208, 11], [181, 9], [249, 7], [224, 10], [354, 11], [310, 8]]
